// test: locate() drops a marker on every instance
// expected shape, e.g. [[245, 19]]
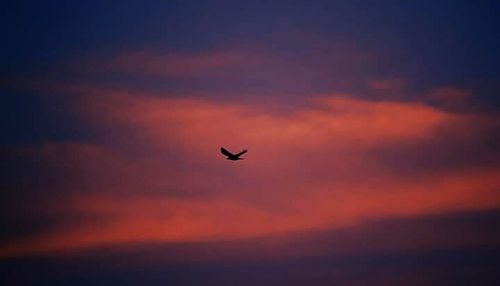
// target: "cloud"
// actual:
[[432, 249], [388, 85], [298, 63], [451, 98], [155, 174], [178, 65]]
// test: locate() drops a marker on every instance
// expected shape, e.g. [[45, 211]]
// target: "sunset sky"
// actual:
[[373, 130]]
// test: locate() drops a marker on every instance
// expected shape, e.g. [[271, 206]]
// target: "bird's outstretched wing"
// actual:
[[225, 152], [241, 153]]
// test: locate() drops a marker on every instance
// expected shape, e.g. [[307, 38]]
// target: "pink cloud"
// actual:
[[309, 61], [158, 175]]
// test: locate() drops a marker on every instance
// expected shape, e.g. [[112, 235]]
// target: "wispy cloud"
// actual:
[[388, 85], [151, 63], [156, 174], [451, 98]]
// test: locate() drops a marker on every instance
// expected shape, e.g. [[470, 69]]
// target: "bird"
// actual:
[[231, 156]]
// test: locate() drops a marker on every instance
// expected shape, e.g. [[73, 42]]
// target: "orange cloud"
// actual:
[[158, 175]]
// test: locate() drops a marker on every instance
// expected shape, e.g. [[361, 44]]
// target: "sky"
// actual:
[[372, 131]]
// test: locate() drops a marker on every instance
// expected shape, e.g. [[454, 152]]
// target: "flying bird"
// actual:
[[231, 156]]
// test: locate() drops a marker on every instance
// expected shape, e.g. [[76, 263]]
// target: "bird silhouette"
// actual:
[[231, 156]]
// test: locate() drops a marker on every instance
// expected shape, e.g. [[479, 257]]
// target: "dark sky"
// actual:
[[372, 129]]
